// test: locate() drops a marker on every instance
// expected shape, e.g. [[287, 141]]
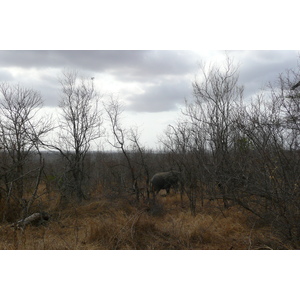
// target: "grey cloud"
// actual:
[[94, 60], [47, 85], [261, 67], [161, 97], [152, 70], [142, 66], [29, 59], [126, 64], [50, 95], [158, 63], [5, 76], [257, 69]]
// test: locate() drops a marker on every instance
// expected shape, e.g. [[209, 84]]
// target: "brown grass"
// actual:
[[104, 224]]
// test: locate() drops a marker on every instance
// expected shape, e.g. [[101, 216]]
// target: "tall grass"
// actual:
[[104, 224]]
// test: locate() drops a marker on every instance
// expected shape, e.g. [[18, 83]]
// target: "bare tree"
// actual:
[[128, 142], [79, 126], [21, 132], [206, 134], [142, 160]]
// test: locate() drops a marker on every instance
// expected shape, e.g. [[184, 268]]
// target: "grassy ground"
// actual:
[[104, 224]]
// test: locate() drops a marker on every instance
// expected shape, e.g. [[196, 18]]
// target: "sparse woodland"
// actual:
[[239, 159]]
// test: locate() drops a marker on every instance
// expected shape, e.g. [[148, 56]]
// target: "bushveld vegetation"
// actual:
[[239, 161]]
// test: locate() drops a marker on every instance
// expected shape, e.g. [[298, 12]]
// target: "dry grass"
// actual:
[[104, 224]]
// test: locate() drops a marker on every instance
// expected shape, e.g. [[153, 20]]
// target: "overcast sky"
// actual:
[[153, 84]]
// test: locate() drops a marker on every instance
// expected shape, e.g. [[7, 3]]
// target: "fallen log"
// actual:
[[34, 219]]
